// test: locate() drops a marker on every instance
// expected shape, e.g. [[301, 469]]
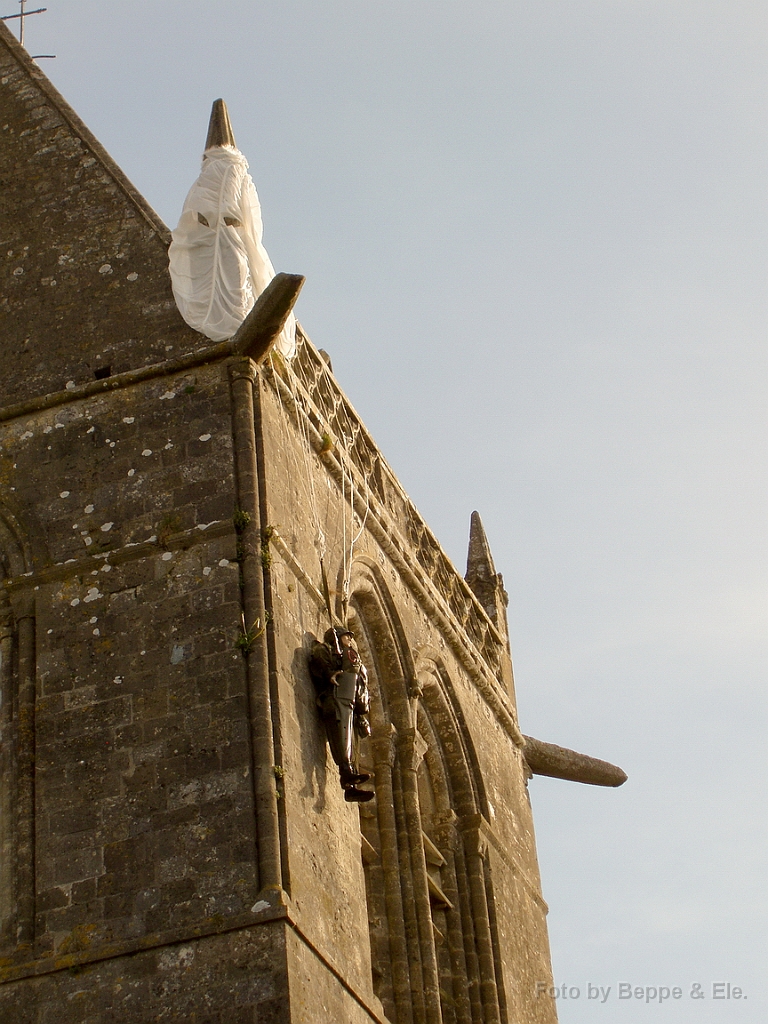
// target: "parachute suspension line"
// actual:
[[321, 538], [363, 521], [349, 549], [349, 537], [306, 447], [326, 591], [284, 430], [343, 451], [324, 371]]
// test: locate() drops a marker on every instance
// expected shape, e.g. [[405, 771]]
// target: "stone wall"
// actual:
[[235, 978], [143, 803], [83, 259]]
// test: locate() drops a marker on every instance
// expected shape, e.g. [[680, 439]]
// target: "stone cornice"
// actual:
[[209, 354]]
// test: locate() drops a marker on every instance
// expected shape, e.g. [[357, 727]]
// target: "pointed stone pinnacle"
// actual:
[[219, 127], [480, 565], [482, 578]]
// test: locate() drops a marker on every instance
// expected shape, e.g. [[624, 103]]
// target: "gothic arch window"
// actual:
[[453, 812], [430, 899]]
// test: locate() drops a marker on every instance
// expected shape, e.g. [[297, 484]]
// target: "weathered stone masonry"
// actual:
[[173, 841]]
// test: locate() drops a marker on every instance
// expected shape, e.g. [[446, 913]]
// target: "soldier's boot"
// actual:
[[358, 796], [349, 776]]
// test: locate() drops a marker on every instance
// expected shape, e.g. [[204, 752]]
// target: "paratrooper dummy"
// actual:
[[341, 684]]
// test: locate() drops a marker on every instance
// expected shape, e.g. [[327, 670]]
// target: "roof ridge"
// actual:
[[82, 131]]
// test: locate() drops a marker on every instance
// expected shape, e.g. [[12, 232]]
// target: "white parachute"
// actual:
[[218, 264]]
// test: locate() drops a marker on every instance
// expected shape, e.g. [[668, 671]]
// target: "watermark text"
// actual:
[[625, 990]]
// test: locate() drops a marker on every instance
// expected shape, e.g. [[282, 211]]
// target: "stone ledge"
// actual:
[[118, 556], [51, 963], [210, 354], [279, 909]]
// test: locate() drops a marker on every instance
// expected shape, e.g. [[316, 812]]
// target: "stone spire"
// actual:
[[219, 127], [479, 558], [481, 575], [488, 587]]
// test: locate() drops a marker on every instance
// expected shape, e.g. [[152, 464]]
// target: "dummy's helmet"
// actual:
[[334, 634]]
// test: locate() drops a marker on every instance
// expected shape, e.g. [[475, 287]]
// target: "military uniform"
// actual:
[[341, 684]]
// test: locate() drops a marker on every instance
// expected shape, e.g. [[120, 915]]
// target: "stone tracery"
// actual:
[[427, 881]]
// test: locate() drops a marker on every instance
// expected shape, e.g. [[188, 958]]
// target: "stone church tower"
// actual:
[[174, 844]]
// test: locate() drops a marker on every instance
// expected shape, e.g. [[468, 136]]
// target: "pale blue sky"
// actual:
[[534, 237]]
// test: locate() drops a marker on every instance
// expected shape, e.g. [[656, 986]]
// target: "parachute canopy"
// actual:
[[218, 264]]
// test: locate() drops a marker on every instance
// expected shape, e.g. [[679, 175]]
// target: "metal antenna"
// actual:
[[21, 16]]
